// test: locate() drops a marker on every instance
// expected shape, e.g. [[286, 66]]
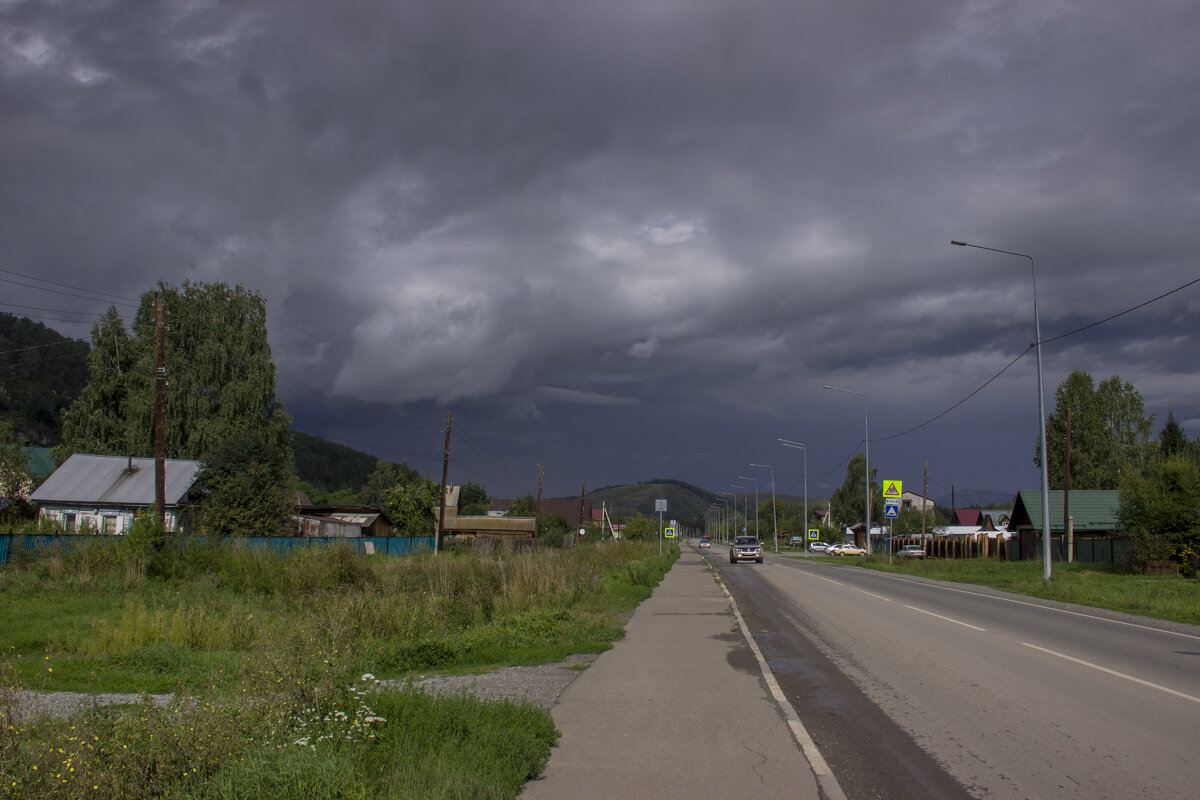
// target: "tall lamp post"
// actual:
[[723, 511], [748, 478], [1037, 329], [799, 446], [745, 503], [733, 519], [774, 515], [866, 454]]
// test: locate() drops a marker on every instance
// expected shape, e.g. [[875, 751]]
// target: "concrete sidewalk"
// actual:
[[677, 709]]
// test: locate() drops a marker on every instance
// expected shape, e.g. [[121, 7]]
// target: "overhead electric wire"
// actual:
[[66, 294], [63, 285], [1030, 347], [1121, 313]]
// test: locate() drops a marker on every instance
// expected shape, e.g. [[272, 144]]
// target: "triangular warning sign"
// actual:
[[891, 488]]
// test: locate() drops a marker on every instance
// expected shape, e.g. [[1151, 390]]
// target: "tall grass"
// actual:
[[270, 651]]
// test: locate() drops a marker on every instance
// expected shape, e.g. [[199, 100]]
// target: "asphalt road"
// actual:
[[921, 689]]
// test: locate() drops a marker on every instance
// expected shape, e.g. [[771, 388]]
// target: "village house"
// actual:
[[103, 494]]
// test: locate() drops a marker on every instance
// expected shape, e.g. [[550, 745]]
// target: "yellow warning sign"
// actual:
[[893, 488]]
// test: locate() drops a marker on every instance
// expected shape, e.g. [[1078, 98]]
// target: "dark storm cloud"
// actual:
[[607, 229]]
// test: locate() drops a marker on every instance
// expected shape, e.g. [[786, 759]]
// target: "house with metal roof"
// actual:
[[1094, 511], [104, 493]]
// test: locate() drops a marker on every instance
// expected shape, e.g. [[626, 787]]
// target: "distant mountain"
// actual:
[[685, 502], [331, 466], [975, 498]]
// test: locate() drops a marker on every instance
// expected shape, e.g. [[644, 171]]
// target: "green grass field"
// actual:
[[276, 660]]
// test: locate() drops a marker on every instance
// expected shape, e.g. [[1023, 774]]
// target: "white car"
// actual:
[[911, 551], [818, 547]]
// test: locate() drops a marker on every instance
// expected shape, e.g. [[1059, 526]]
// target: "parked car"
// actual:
[[832, 550], [745, 548], [849, 549], [911, 551], [818, 547], [705, 543]]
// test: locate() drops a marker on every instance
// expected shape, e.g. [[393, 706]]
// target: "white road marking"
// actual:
[[948, 619], [827, 781], [1114, 672], [870, 594], [1039, 605]]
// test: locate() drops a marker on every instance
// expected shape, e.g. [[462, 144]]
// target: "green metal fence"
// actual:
[[33, 544]]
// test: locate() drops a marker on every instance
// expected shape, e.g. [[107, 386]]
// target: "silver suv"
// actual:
[[745, 548]]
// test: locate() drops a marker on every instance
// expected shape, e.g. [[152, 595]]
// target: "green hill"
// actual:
[[685, 502]]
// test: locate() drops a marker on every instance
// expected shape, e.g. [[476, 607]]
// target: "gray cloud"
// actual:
[[507, 208]]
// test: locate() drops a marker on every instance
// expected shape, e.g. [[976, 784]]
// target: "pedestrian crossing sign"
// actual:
[[892, 489]]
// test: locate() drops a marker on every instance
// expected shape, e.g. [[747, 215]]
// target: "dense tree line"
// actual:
[[41, 374]]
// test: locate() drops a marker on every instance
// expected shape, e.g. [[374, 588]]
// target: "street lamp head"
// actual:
[[959, 244]]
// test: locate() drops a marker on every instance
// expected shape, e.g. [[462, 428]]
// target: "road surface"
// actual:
[[914, 688]]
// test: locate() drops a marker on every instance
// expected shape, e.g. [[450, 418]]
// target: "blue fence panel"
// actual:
[[33, 543]]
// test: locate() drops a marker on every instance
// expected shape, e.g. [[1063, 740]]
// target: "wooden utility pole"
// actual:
[[442, 503], [537, 524], [924, 500], [582, 504], [160, 405], [1068, 533]]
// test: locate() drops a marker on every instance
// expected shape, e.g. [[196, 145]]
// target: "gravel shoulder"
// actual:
[[539, 685]]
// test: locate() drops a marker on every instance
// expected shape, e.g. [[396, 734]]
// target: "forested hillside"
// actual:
[[41, 373], [333, 467], [685, 502]]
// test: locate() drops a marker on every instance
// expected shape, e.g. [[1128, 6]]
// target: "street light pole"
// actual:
[[799, 446], [866, 454], [1037, 328], [745, 503], [748, 478], [774, 515], [733, 519]]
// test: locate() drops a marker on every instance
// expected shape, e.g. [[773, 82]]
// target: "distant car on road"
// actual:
[[705, 543], [818, 547], [848, 549], [745, 548], [911, 551]]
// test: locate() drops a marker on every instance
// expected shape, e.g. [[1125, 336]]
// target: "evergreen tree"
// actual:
[[96, 422], [1171, 439]]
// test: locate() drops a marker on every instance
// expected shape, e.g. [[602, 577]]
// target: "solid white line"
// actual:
[[828, 782], [1114, 672], [1038, 605], [948, 619]]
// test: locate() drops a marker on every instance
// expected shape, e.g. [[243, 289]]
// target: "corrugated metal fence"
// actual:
[[33, 544]]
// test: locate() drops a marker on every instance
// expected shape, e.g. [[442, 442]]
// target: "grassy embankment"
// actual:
[[1162, 596], [278, 660]]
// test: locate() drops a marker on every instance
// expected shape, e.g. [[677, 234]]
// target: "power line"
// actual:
[[1030, 347], [63, 285], [1121, 313], [65, 294]]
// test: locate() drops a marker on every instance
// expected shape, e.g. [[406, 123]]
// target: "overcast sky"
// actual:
[[631, 239]]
